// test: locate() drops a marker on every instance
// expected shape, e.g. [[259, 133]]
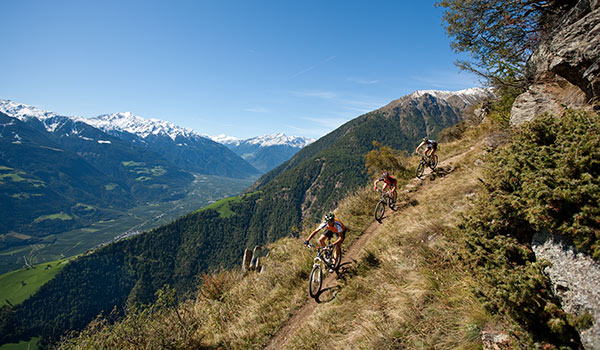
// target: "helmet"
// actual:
[[329, 216], [385, 174], [425, 138]]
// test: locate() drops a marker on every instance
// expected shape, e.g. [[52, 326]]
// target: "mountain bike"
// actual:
[[324, 261], [426, 161], [385, 198]]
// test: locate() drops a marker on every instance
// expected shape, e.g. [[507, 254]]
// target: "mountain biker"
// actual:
[[431, 147], [330, 225], [388, 181]]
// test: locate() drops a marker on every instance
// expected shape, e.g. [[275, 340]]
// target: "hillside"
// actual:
[[293, 194], [437, 273]]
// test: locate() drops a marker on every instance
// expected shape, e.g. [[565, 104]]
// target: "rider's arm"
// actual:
[[419, 147], [375, 183], [312, 234]]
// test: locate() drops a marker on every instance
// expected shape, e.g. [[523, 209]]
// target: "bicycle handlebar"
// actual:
[[330, 246]]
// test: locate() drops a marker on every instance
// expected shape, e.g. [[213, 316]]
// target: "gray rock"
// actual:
[[573, 50], [575, 279]]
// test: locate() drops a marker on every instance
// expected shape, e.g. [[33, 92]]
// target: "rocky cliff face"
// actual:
[[565, 72], [565, 68]]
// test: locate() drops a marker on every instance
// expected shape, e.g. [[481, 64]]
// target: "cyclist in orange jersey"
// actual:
[[331, 226]]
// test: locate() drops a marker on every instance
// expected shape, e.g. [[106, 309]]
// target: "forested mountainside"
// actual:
[[312, 181]]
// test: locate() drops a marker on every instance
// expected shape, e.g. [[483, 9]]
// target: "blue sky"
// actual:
[[242, 68]]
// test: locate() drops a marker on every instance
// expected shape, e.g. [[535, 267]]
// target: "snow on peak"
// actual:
[[265, 140], [224, 139], [128, 122], [467, 95], [279, 139], [24, 112]]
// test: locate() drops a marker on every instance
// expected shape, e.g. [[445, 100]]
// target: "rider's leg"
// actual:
[[338, 250], [322, 240]]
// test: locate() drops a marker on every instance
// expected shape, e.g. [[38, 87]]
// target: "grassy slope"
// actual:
[[18, 285], [406, 291]]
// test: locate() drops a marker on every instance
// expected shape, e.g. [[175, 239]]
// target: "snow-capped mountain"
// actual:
[[267, 151], [468, 96], [184, 148], [128, 122], [280, 139]]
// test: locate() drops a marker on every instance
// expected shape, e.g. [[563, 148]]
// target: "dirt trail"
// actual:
[[330, 285], [329, 288]]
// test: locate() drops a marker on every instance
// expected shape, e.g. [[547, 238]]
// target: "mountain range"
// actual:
[[265, 152], [295, 193]]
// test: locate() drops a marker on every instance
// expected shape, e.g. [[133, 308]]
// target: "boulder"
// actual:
[[565, 67]]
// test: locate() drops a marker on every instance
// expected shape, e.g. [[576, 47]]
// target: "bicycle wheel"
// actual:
[[315, 281], [379, 210], [420, 169], [433, 162]]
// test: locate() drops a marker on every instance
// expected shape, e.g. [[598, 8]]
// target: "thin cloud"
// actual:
[[362, 81], [312, 67], [326, 95], [330, 123], [257, 110]]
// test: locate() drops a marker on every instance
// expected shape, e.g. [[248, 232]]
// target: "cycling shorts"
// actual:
[[329, 234]]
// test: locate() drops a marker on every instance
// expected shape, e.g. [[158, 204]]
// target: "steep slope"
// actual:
[[450, 269], [315, 179], [385, 296]]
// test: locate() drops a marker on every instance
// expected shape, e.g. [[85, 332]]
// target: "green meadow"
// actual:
[[16, 286]]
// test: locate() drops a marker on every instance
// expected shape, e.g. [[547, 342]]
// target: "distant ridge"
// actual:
[[267, 151]]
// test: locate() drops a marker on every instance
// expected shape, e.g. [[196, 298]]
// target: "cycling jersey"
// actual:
[[431, 144], [390, 180], [337, 226]]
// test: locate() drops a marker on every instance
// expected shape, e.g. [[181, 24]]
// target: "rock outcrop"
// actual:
[[575, 278], [565, 67]]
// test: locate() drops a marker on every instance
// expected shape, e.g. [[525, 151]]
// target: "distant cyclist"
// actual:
[[331, 226], [431, 147], [388, 181]]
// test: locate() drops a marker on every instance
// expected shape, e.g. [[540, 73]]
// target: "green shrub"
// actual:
[[547, 178]]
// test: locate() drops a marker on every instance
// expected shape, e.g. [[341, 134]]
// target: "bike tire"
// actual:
[[379, 210], [420, 169], [433, 162], [315, 281]]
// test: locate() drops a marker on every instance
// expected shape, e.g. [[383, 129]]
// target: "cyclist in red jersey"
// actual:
[[388, 181]]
